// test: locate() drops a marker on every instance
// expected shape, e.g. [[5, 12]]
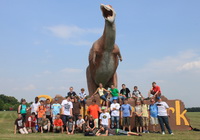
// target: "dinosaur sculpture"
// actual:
[[104, 54]]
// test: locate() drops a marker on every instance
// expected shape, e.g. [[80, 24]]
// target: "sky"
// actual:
[[44, 46]]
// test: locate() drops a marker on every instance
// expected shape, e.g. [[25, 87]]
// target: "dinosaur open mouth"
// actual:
[[106, 12]]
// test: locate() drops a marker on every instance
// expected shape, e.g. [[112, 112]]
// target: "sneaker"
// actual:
[[143, 132], [147, 98], [163, 133], [171, 133], [147, 131]]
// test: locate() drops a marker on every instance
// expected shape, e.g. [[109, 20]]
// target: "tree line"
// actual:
[[193, 109]]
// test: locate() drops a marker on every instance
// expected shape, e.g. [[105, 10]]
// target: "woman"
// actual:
[[100, 90]]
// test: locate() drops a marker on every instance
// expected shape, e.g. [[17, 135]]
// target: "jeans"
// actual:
[[115, 119], [65, 119], [113, 98], [164, 120], [104, 97], [122, 98], [84, 101]]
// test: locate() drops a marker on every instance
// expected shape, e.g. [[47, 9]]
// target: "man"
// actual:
[[76, 108], [58, 124], [114, 93], [107, 131], [45, 124], [163, 114], [105, 118], [56, 109], [137, 95], [67, 107], [125, 92], [94, 110], [34, 106], [155, 91], [114, 107], [126, 112], [153, 109], [71, 93], [20, 125]]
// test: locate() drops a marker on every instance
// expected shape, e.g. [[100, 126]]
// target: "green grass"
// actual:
[[7, 120]]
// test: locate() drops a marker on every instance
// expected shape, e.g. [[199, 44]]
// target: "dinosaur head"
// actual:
[[108, 13]]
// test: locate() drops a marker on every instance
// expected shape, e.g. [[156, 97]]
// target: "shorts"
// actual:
[[138, 121], [126, 121], [23, 130], [39, 121], [121, 132], [32, 130], [145, 121], [96, 121], [153, 120], [45, 127]]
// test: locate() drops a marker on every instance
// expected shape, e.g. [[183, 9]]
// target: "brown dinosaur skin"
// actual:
[[104, 55]]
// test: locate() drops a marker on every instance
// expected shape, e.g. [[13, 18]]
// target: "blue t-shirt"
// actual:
[[126, 108], [153, 110], [56, 108]]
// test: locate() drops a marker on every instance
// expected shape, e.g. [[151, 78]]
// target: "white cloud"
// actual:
[[29, 87], [190, 66], [68, 32], [71, 70]]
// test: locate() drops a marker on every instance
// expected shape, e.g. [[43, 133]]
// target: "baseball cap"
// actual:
[[103, 108], [56, 99], [158, 98]]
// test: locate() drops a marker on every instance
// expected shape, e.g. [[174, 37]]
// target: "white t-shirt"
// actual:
[[81, 121], [162, 106], [104, 118], [67, 106], [34, 107], [115, 113]]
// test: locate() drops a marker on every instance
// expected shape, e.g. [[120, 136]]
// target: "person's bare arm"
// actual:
[[109, 123], [95, 92], [106, 134], [71, 112], [19, 108]]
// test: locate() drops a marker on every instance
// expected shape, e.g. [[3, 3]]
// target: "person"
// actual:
[[114, 93], [22, 109], [153, 109], [20, 125], [145, 116], [76, 108], [34, 106], [163, 114], [126, 113], [32, 122], [107, 131], [125, 92], [67, 107], [58, 124], [48, 110], [80, 123], [105, 118], [94, 110], [114, 107], [82, 96], [137, 95], [71, 93], [91, 124], [138, 116], [155, 91], [55, 109], [103, 93], [70, 126], [86, 118], [41, 111], [45, 124]]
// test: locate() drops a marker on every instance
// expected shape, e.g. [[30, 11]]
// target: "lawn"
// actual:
[[7, 119]]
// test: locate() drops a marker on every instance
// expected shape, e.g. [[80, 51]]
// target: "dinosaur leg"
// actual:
[[91, 85], [113, 81]]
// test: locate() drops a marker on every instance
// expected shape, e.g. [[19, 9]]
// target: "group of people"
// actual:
[[104, 120]]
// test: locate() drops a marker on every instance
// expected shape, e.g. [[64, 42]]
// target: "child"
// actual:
[[137, 95], [48, 110], [82, 95], [70, 126], [45, 124], [79, 123], [32, 122], [56, 109], [58, 124], [20, 125], [41, 111], [76, 108], [22, 109], [115, 113], [153, 109], [105, 118], [145, 116], [127, 114], [138, 117]]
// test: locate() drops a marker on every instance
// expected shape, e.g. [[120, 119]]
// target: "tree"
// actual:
[[1, 105]]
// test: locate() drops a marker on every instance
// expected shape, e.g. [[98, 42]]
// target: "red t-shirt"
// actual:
[[94, 111], [32, 120], [155, 89], [58, 122]]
